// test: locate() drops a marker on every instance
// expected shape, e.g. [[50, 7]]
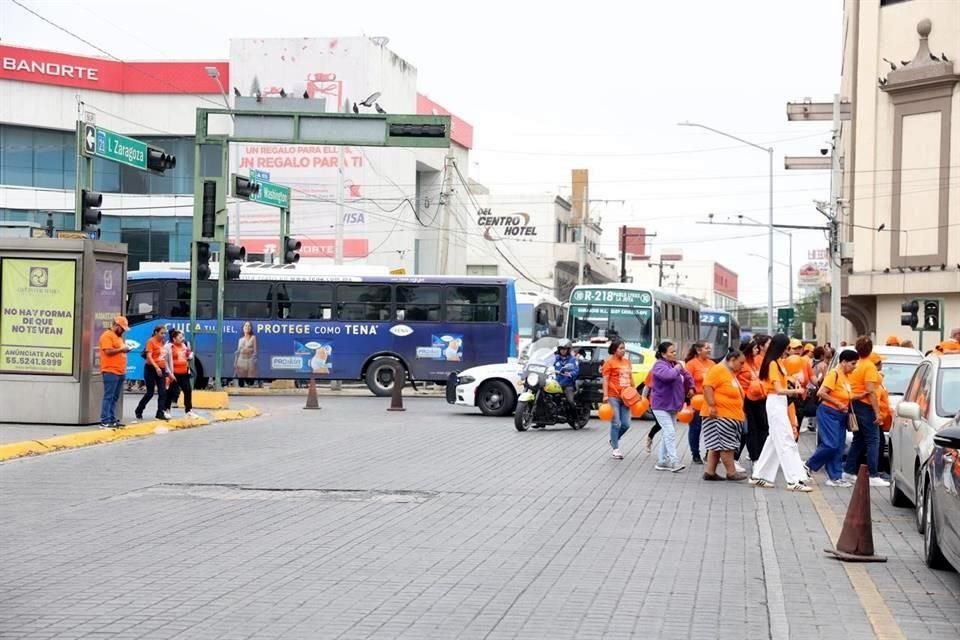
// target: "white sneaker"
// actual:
[[677, 468], [663, 467], [878, 482], [736, 465], [843, 484], [849, 477], [167, 415], [192, 414], [799, 486], [616, 454]]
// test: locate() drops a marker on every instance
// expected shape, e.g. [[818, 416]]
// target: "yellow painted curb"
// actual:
[[208, 400], [102, 436]]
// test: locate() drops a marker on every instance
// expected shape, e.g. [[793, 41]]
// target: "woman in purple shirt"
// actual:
[[672, 382]]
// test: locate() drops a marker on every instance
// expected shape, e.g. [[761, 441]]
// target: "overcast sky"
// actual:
[[553, 86]]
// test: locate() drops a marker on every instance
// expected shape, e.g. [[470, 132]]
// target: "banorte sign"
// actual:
[[513, 225]]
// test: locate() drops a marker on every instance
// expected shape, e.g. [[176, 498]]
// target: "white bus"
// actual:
[[540, 315], [640, 316]]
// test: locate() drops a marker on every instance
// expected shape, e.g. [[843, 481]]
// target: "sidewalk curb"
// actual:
[[14, 450]]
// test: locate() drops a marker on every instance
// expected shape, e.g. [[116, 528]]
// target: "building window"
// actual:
[[46, 159], [482, 270]]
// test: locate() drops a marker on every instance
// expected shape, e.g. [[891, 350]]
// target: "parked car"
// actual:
[[931, 402], [493, 388], [941, 493], [899, 365]]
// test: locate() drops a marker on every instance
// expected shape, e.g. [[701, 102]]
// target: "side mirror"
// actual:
[[909, 410], [948, 438]]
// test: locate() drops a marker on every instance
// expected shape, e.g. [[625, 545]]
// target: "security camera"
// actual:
[[824, 151]]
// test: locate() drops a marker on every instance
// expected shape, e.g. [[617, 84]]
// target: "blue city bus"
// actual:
[[721, 329], [336, 327]]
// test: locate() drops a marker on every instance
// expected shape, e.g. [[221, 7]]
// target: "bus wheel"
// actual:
[[380, 376]]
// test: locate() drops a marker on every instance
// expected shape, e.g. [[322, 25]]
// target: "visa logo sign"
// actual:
[[354, 217]]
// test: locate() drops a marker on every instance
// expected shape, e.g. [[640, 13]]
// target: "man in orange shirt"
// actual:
[[113, 367]]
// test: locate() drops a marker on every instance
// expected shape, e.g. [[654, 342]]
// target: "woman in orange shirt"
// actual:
[[617, 375], [835, 396], [723, 416], [698, 362], [155, 374], [755, 405], [780, 450]]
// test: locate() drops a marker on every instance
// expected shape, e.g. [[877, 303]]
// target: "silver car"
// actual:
[[931, 401]]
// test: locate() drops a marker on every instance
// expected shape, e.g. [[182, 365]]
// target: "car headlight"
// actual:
[[533, 379], [467, 379]]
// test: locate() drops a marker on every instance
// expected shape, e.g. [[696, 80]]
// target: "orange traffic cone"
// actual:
[[312, 402], [856, 538]]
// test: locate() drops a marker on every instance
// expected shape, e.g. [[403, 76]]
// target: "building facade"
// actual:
[[389, 195], [900, 158], [710, 283]]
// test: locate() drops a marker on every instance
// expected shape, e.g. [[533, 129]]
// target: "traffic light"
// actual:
[[233, 254], [89, 214], [159, 160], [208, 219], [244, 187], [290, 248], [908, 317], [931, 315], [203, 260]]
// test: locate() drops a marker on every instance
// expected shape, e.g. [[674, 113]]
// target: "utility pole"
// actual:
[[836, 214], [584, 220], [661, 265], [338, 224], [623, 249], [445, 224]]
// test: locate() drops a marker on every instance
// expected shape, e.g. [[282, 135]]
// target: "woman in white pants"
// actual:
[[780, 449]]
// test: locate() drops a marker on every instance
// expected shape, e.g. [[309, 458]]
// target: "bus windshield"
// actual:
[[630, 324], [525, 317], [715, 330]]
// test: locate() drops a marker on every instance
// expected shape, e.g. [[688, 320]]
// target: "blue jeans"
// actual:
[[112, 387], [693, 435], [866, 439], [831, 439], [667, 451], [620, 422]]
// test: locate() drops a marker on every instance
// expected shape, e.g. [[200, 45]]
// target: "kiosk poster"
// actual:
[[107, 302], [36, 327]]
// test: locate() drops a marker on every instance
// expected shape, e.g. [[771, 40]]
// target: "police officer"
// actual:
[[567, 368]]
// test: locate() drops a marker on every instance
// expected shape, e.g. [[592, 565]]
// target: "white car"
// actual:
[[931, 402], [493, 388]]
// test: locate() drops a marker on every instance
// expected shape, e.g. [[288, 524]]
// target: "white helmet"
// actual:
[[564, 344]]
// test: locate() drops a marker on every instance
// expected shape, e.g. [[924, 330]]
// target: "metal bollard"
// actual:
[[396, 398]]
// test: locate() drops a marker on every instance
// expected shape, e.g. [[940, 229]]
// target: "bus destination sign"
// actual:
[[714, 318], [611, 296]]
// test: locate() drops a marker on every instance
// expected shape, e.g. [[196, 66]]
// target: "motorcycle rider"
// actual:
[[568, 368]]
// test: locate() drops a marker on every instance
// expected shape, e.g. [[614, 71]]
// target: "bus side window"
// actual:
[[418, 303], [143, 301], [473, 304], [248, 300], [304, 301], [176, 300], [364, 302]]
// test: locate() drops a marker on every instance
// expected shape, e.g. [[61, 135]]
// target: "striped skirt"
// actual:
[[721, 434]]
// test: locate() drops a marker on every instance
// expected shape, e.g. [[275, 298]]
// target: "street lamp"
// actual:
[[214, 73], [790, 239], [769, 151]]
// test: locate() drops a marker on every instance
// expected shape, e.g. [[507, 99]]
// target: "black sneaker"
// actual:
[[697, 460], [160, 416], [139, 415], [106, 425], [117, 424]]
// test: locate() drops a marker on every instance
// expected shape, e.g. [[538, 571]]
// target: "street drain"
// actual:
[[246, 492]]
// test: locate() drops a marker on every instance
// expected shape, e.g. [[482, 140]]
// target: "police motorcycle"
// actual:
[[543, 402]]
